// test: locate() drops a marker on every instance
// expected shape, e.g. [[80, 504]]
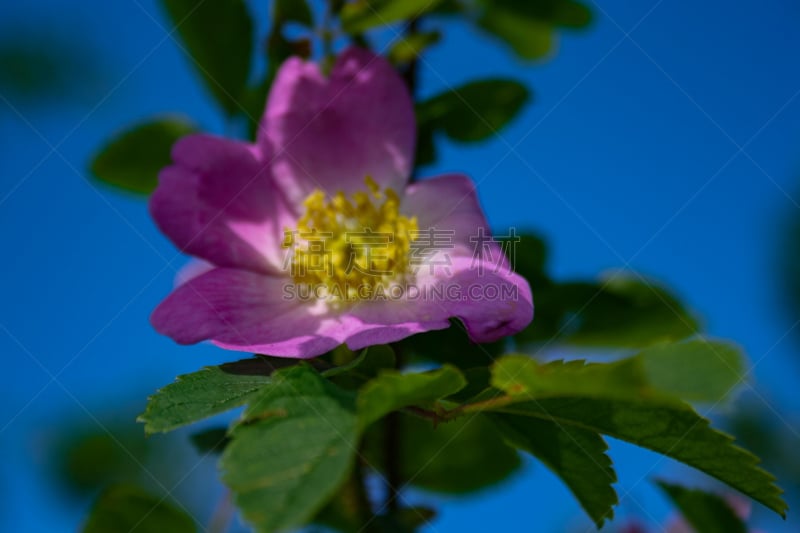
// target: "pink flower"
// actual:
[[291, 226]]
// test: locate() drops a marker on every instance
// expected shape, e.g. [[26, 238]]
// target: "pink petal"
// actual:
[[490, 301], [218, 202], [448, 205], [246, 311], [332, 133]]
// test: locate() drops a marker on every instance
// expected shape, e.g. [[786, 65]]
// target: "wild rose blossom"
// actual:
[[328, 173]]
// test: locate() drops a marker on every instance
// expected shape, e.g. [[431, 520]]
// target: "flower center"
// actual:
[[352, 246]]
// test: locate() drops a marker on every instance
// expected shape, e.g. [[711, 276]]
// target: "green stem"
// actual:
[[445, 415], [392, 448]]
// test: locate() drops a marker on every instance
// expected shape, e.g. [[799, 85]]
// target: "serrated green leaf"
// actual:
[[706, 512], [696, 370], [392, 390], [363, 15], [674, 430], [455, 457], [208, 392], [409, 47], [575, 455], [293, 450], [475, 111], [622, 311], [132, 160], [129, 508], [218, 37]]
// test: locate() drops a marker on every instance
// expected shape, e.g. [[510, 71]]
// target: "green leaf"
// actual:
[[697, 370], [363, 15], [622, 311], [210, 391], [129, 508], [674, 430], [528, 26], [529, 38], [575, 455], [392, 390], [475, 111], [294, 448], [706, 512], [292, 11], [132, 160], [409, 47], [218, 37], [454, 457]]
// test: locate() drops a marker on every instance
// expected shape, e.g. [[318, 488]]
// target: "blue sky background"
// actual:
[[665, 138]]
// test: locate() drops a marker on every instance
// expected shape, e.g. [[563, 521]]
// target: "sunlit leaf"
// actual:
[[475, 111], [129, 508], [575, 455], [294, 449], [408, 47], [392, 390], [706, 512], [364, 15], [527, 26], [132, 160], [218, 37], [696, 370]]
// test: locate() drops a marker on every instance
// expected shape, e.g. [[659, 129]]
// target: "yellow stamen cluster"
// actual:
[[351, 246]]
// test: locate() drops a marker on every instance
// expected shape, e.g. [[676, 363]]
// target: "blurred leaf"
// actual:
[[210, 441], [408, 47], [528, 258], [527, 26], [292, 11], [674, 430], [450, 345], [575, 455], [129, 508], [218, 36], [474, 111], [706, 512], [455, 457], [278, 50], [620, 312], [392, 390], [210, 391], [529, 38], [697, 370], [364, 15], [294, 449], [88, 459], [133, 160]]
